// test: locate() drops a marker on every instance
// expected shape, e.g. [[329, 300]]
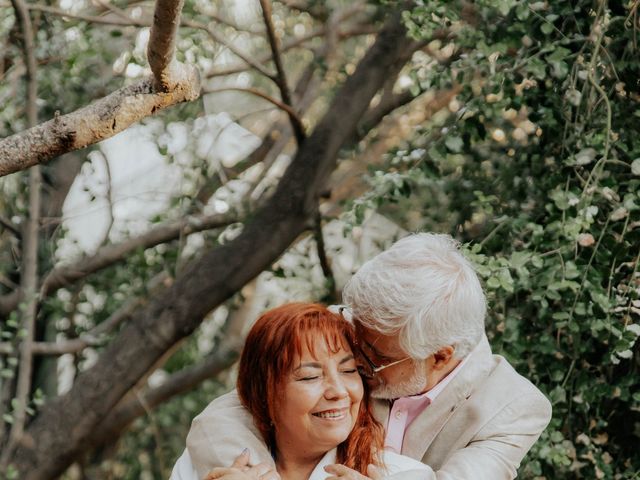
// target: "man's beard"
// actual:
[[414, 385]]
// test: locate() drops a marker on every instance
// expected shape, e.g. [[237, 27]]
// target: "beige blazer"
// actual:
[[479, 427]]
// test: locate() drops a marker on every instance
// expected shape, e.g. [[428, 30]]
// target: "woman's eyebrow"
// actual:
[[308, 365], [347, 359]]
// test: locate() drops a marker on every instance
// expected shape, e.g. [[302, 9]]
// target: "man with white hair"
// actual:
[[443, 398]]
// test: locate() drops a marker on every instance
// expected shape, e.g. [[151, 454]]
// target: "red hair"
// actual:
[[272, 345]]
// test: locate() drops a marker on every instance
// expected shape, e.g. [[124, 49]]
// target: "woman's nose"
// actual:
[[335, 388]]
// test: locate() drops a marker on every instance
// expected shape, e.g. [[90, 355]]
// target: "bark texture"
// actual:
[[63, 428], [91, 124]]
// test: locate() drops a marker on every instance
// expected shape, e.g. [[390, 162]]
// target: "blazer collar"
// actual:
[[423, 430]]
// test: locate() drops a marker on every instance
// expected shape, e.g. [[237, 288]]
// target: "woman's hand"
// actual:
[[240, 470], [340, 472]]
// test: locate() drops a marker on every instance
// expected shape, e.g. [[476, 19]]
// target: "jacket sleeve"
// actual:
[[220, 433], [496, 451]]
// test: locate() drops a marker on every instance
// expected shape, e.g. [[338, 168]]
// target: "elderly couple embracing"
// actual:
[[401, 384]]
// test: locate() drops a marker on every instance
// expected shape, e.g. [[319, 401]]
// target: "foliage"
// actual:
[[536, 166]]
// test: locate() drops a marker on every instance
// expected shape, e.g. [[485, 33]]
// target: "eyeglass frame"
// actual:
[[375, 369]]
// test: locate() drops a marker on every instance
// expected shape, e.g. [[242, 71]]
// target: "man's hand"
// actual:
[[240, 470], [340, 472]]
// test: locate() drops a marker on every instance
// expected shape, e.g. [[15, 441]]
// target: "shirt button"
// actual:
[[399, 414]]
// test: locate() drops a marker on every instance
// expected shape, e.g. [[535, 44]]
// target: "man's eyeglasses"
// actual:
[[370, 369]]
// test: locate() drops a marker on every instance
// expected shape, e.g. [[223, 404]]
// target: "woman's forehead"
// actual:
[[320, 344]]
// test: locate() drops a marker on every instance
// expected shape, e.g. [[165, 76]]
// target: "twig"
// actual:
[[235, 50], [281, 79], [324, 261], [254, 91], [129, 22], [291, 44], [109, 198], [8, 225]]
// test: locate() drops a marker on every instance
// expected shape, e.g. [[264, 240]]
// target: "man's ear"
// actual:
[[442, 357]]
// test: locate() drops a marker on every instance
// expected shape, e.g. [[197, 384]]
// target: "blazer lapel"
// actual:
[[424, 429]]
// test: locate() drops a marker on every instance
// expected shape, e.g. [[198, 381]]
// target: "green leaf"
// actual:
[[454, 144]]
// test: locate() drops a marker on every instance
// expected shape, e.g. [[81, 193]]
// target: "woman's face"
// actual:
[[320, 401]]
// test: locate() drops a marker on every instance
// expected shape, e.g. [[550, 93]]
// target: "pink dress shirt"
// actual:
[[405, 410]]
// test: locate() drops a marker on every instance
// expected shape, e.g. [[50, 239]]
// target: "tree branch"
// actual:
[[110, 254], [29, 269], [178, 383], [167, 72], [86, 126], [281, 79], [295, 119], [291, 44], [175, 83], [332, 297], [91, 338], [8, 225]]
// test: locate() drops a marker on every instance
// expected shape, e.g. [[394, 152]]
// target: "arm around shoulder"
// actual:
[[220, 433]]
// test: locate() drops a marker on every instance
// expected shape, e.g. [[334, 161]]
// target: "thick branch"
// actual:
[[111, 428], [61, 430], [110, 254], [91, 124], [162, 45]]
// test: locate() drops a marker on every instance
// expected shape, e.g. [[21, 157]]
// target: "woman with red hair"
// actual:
[[299, 380]]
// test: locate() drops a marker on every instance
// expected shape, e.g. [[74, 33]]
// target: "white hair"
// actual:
[[424, 290]]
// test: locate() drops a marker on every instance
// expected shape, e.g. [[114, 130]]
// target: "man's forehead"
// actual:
[[387, 345]]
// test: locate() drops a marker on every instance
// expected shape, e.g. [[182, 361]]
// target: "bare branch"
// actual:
[[129, 22], [8, 225], [162, 45], [94, 337], [295, 119], [91, 124], [178, 383], [109, 180], [110, 254], [294, 43], [324, 260], [281, 79], [29, 269], [216, 37]]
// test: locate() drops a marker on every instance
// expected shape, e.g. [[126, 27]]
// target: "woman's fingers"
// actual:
[[340, 472], [241, 460], [261, 471], [375, 472], [221, 472]]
